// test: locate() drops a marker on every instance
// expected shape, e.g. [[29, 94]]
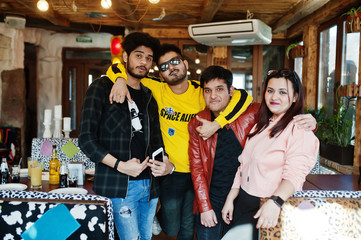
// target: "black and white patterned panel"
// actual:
[[327, 194], [17, 216], [37, 143]]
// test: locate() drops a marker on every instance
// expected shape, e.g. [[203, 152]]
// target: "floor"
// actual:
[[162, 236]]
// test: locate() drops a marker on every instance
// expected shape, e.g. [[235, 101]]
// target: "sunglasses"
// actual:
[[288, 74], [174, 61], [283, 72]]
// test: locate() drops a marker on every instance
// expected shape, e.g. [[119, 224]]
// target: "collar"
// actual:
[[272, 119]]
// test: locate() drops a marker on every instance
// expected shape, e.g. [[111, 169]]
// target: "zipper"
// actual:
[[129, 150], [148, 141]]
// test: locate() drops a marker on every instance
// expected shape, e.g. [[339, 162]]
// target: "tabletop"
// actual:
[[332, 182], [46, 187]]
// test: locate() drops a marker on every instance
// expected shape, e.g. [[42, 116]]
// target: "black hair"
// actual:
[[166, 48], [136, 39], [215, 71]]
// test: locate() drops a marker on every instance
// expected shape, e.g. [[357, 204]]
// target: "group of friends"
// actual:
[[223, 153]]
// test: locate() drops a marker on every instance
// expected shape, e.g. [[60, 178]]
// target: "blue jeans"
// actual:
[[176, 199], [216, 232], [134, 214]]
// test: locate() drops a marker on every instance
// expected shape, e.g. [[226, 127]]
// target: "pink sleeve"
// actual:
[[301, 155], [238, 178]]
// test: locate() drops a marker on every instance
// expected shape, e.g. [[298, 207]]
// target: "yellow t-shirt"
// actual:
[[176, 110]]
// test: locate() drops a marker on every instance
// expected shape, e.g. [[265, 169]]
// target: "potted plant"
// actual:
[[296, 50], [335, 132], [353, 20]]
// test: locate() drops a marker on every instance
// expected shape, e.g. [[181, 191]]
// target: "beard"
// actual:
[[131, 71], [179, 77]]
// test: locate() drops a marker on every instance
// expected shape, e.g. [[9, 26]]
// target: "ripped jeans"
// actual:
[[134, 214]]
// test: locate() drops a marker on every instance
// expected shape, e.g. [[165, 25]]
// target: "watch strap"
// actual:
[[116, 164], [277, 200]]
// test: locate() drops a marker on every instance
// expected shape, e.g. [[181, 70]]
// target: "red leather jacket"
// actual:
[[201, 153]]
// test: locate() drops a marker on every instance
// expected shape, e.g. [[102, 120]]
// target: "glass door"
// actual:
[[80, 69]]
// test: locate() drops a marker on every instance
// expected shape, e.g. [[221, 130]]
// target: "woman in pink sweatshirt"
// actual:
[[276, 158]]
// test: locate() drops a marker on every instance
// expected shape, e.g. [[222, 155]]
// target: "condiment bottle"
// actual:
[[4, 171], [63, 175], [54, 167]]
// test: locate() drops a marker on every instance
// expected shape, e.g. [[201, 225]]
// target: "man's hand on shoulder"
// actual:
[[133, 167], [119, 91], [160, 168], [207, 129], [305, 121]]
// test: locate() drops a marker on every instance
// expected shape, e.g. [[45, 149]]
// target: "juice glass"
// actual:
[[31, 161], [36, 171]]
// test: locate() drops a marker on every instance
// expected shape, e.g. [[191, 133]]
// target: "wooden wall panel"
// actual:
[[309, 69]]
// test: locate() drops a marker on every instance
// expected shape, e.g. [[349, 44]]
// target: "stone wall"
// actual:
[[50, 65], [49, 61]]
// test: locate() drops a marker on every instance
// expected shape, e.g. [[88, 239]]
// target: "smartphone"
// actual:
[[158, 154]]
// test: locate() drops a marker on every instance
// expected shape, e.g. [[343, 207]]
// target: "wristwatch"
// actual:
[[278, 200]]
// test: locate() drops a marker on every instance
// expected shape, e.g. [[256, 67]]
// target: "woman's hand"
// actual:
[[268, 214], [227, 211]]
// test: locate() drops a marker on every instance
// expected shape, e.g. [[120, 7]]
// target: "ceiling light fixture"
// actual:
[[106, 4], [43, 5], [154, 1], [197, 61]]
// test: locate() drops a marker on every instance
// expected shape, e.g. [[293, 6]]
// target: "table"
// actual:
[[332, 182], [32, 204]]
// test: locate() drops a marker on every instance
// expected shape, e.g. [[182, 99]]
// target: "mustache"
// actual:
[[171, 72], [142, 66]]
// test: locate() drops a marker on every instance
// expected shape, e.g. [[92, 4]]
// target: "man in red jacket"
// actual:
[[214, 161]]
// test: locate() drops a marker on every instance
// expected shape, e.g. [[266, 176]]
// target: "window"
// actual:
[[241, 65], [273, 58], [327, 62], [298, 65], [350, 58], [349, 68]]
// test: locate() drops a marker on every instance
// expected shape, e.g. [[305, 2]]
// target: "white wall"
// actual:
[[49, 60]]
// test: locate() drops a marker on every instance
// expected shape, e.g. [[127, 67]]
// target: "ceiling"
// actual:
[[88, 15]]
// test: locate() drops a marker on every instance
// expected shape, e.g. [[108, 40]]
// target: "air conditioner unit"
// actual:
[[15, 22], [231, 33]]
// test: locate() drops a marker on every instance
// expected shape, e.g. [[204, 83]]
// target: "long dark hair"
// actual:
[[296, 108]]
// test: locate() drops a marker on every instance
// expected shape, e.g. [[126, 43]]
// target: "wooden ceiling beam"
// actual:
[[329, 11], [301, 10], [178, 33], [126, 12], [49, 15], [210, 10]]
